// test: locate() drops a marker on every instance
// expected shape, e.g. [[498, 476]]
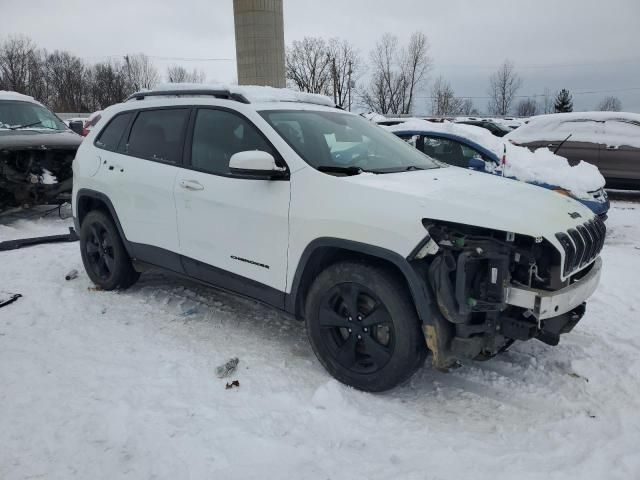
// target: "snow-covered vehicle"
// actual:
[[609, 140], [36, 153], [472, 147], [386, 254]]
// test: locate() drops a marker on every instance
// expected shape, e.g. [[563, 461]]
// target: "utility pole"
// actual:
[[126, 59], [335, 80], [349, 86]]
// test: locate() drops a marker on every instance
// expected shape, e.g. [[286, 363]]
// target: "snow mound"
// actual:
[[607, 128], [330, 396], [255, 93], [541, 166], [374, 117]]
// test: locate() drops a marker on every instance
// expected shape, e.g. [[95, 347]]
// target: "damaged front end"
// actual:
[[35, 175], [493, 288]]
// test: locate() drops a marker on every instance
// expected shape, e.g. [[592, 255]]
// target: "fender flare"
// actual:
[[418, 288], [84, 193]]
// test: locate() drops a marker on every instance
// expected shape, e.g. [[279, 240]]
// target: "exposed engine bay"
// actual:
[[35, 176], [470, 271]]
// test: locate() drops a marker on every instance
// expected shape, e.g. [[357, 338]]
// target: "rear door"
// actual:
[[620, 161], [140, 177], [231, 228]]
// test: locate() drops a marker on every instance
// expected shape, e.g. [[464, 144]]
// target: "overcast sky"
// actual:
[[582, 45]]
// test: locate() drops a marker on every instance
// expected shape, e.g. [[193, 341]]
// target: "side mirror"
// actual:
[[256, 164], [476, 163], [77, 126]]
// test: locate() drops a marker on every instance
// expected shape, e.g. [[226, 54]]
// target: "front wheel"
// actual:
[[363, 326], [104, 257]]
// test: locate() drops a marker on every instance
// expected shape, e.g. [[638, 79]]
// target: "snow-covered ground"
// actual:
[[105, 385]]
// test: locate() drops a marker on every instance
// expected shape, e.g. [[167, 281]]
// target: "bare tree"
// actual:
[[415, 66], [346, 66], [17, 57], [503, 86], [179, 74], [527, 107], [443, 99], [467, 107], [308, 65], [109, 84], [396, 74], [610, 104], [67, 77], [141, 71]]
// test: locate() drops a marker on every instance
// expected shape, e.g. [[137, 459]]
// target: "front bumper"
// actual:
[[545, 304]]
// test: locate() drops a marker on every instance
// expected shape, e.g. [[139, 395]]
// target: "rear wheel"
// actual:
[[363, 327], [103, 254]]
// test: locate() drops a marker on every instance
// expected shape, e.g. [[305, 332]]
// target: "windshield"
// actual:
[[336, 141], [15, 115]]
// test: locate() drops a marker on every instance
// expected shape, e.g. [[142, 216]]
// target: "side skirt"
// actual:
[[147, 257]]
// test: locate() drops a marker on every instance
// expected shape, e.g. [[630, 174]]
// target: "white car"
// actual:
[[386, 253]]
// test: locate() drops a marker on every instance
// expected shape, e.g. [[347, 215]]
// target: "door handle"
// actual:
[[612, 147], [191, 185]]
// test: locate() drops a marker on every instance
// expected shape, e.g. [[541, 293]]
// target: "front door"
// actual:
[[231, 228]]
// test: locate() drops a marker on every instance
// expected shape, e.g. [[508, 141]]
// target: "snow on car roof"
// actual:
[[254, 93], [541, 166], [9, 95], [608, 128]]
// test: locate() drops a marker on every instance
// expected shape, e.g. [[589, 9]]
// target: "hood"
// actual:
[[39, 139], [462, 196]]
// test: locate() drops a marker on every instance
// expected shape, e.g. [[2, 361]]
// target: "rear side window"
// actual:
[[157, 135], [111, 134]]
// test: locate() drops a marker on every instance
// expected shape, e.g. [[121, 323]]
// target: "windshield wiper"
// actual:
[[339, 169], [412, 167], [26, 125]]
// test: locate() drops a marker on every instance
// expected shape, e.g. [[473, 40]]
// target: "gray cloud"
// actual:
[[575, 44]]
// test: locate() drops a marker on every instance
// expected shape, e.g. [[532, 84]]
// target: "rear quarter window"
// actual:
[[110, 136], [158, 135]]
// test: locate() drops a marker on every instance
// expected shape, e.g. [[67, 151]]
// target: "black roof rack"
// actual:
[[223, 94]]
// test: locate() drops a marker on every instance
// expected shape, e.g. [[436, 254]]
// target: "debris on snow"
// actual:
[[71, 275], [228, 368], [7, 298], [230, 385]]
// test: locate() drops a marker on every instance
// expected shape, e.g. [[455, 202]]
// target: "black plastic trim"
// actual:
[[418, 287], [219, 93]]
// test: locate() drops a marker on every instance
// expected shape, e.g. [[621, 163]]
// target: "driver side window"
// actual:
[[445, 150], [218, 135]]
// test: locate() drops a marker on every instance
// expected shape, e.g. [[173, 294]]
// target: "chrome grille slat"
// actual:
[[582, 244]]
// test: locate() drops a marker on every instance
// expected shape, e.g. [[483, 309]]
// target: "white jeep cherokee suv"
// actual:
[[385, 253]]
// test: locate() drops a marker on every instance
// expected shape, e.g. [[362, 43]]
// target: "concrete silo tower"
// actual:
[[259, 42]]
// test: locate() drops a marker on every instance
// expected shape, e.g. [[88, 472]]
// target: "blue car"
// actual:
[[462, 152]]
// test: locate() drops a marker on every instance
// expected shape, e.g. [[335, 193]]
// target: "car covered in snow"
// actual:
[[385, 253], [468, 146], [36, 153], [609, 140]]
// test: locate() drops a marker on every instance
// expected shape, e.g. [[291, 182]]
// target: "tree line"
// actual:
[[66, 83], [391, 80], [396, 74]]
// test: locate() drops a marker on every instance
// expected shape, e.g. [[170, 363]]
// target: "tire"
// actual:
[[363, 326], [104, 257]]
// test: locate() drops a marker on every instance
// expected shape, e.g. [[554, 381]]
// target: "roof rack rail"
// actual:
[[222, 94]]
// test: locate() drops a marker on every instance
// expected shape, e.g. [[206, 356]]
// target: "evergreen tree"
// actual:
[[564, 102]]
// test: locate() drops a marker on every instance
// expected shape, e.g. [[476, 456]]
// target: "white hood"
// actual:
[[463, 196]]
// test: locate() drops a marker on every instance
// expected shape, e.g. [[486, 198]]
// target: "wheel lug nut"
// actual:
[[359, 318], [365, 329], [359, 337], [350, 319], [349, 330]]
